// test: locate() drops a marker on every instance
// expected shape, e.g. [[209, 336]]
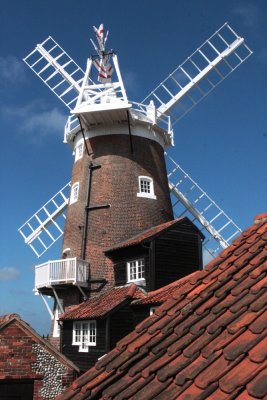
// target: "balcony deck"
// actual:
[[69, 271]]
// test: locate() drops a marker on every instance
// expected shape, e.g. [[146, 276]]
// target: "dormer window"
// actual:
[[78, 151], [74, 193], [136, 270], [146, 187]]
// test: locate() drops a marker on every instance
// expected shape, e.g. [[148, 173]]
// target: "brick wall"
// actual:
[[23, 358], [116, 183]]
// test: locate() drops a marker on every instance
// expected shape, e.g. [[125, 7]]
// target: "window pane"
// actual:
[[77, 331], [136, 270], [145, 186]]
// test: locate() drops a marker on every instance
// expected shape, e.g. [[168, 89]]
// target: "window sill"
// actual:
[[147, 195], [138, 282], [83, 350]]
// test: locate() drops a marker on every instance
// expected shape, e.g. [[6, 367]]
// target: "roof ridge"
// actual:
[[131, 291], [157, 228]]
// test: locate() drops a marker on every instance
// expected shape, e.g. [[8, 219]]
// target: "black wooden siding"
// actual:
[[120, 260], [171, 255], [140, 312], [121, 324], [84, 360], [177, 254]]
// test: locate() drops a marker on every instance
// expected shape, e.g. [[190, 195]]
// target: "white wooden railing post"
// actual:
[[69, 270]]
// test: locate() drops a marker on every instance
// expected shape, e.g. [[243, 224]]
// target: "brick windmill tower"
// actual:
[[119, 185]]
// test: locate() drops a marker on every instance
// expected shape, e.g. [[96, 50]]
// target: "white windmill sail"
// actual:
[[57, 70], [199, 74], [189, 199], [46, 226]]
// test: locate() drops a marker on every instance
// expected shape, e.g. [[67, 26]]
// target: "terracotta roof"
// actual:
[[149, 234], [207, 342], [103, 304], [165, 293]]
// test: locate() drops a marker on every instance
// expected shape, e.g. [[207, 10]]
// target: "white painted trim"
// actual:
[[73, 196], [79, 150], [139, 129], [83, 349], [152, 310], [147, 196], [56, 326], [150, 195], [79, 342], [141, 281]]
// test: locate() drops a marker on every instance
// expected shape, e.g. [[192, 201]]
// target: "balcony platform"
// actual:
[[60, 273]]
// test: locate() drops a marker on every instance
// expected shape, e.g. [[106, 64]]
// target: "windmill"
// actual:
[[172, 99], [120, 144]]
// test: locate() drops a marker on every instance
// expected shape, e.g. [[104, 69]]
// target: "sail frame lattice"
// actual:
[[189, 199], [199, 74], [46, 226], [57, 70]]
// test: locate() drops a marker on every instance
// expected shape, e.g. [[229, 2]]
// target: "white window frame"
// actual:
[[84, 334], [79, 151], [74, 193], [56, 326], [140, 276], [143, 180], [152, 310]]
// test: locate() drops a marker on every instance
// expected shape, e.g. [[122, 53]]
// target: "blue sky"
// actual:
[[221, 143]]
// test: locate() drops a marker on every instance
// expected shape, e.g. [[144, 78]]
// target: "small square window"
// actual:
[[136, 270], [146, 187]]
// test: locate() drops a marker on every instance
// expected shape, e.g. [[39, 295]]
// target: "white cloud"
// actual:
[[9, 274], [131, 84], [11, 70], [36, 120], [249, 13], [46, 122]]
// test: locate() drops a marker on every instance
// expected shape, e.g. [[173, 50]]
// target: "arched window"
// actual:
[[78, 151], [146, 187], [74, 193]]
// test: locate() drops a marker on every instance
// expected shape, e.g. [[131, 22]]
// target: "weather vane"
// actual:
[[101, 61]]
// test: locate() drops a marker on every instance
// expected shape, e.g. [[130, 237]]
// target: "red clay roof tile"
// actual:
[[149, 234], [103, 304], [160, 295], [246, 341], [259, 353], [258, 386], [242, 373], [207, 341]]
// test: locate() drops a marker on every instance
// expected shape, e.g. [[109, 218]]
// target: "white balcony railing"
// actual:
[[67, 271]]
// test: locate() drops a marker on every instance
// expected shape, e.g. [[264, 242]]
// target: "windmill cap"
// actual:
[[260, 218]]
